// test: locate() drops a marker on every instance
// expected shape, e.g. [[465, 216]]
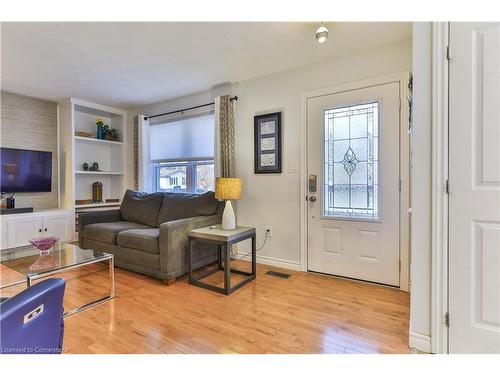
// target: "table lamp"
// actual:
[[228, 189]]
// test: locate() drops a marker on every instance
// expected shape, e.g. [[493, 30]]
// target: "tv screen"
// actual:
[[25, 171]]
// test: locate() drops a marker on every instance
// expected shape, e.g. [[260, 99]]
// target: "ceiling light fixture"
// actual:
[[321, 33]]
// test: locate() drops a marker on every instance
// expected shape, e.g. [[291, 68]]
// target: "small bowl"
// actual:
[[44, 243]]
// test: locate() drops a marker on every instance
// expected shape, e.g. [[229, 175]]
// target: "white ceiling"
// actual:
[[133, 64]]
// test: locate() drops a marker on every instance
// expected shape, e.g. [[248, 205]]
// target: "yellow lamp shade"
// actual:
[[228, 188]]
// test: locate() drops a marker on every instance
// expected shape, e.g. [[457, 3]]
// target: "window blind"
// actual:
[[183, 139]]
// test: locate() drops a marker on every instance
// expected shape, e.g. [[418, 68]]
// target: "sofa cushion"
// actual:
[[140, 207], [177, 206], [107, 232], [140, 239]]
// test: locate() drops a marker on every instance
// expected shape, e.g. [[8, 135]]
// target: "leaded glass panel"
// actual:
[[351, 161]]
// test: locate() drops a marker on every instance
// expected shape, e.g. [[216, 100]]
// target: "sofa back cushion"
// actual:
[[140, 207], [180, 206]]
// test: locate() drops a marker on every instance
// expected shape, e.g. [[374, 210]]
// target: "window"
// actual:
[[351, 161], [184, 176], [182, 154]]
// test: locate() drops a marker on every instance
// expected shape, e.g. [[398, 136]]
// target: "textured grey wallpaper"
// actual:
[[31, 123]]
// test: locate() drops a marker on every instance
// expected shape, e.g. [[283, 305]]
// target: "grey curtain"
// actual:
[[227, 165], [226, 153]]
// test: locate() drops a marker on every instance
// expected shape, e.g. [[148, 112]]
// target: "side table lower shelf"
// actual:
[[224, 241]]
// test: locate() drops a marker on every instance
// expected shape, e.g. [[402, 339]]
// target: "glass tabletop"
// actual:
[[29, 262]]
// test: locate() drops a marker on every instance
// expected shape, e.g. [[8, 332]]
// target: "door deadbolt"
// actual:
[[312, 198]]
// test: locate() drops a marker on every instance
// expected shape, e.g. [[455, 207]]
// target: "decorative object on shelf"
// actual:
[[79, 202], [10, 201], [85, 166], [44, 244], [267, 138], [112, 200], [95, 165], [97, 192], [100, 129], [228, 189], [110, 134], [84, 134]]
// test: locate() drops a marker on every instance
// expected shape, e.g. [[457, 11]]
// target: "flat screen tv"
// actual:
[[25, 171]]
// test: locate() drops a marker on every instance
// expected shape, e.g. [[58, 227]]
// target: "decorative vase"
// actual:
[[44, 244], [45, 260], [97, 192], [85, 167], [99, 132], [95, 165]]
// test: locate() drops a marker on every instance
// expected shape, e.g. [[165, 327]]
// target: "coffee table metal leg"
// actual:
[[112, 277]]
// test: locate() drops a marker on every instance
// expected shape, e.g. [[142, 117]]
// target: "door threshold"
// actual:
[[354, 279]]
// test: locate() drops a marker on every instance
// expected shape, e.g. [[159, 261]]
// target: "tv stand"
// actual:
[[21, 210], [17, 230]]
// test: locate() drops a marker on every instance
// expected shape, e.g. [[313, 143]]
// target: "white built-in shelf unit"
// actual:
[[80, 116]]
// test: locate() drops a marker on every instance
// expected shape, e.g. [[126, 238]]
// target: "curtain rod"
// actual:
[[185, 109]]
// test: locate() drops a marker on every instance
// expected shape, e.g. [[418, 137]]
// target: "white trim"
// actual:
[[439, 271], [103, 108], [282, 263], [58, 159], [420, 342], [402, 78]]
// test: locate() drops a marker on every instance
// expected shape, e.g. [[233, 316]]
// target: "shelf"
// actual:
[[100, 172], [95, 140], [91, 205]]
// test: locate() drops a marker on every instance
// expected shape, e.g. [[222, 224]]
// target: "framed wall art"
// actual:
[[267, 137]]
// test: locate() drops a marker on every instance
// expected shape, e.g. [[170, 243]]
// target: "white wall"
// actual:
[[420, 316], [274, 199]]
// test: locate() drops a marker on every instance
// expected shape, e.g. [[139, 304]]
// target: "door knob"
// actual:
[[312, 198]]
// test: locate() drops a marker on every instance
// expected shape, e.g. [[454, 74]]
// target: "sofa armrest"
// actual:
[[86, 218], [174, 240]]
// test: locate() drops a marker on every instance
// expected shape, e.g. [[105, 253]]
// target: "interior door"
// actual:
[[353, 171], [474, 177]]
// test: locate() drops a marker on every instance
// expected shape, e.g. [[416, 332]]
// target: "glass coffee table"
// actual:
[[28, 266]]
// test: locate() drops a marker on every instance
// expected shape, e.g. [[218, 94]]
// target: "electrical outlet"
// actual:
[[269, 231]]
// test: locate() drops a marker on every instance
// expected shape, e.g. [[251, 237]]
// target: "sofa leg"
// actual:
[[169, 282]]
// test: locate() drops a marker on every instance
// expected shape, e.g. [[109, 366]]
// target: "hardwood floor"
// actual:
[[306, 313]]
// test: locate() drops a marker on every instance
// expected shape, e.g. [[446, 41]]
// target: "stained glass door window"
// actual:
[[351, 159]]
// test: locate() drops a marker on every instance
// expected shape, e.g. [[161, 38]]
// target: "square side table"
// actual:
[[224, 239]]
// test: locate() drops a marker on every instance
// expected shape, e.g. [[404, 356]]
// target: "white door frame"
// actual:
[[439, 251], [404, 169]]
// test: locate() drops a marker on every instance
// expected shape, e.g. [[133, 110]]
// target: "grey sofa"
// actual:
[[149, 233]]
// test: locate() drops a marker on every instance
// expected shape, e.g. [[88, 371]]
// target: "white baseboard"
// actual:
[[283, 263], [420, 342]]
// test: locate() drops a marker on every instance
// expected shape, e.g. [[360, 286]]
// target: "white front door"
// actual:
[[474, 200], [353, 182]]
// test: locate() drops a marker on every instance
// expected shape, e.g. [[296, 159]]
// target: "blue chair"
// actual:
[[31, 322]]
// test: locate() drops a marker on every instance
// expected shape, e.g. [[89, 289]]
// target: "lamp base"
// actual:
[[228, 218]]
